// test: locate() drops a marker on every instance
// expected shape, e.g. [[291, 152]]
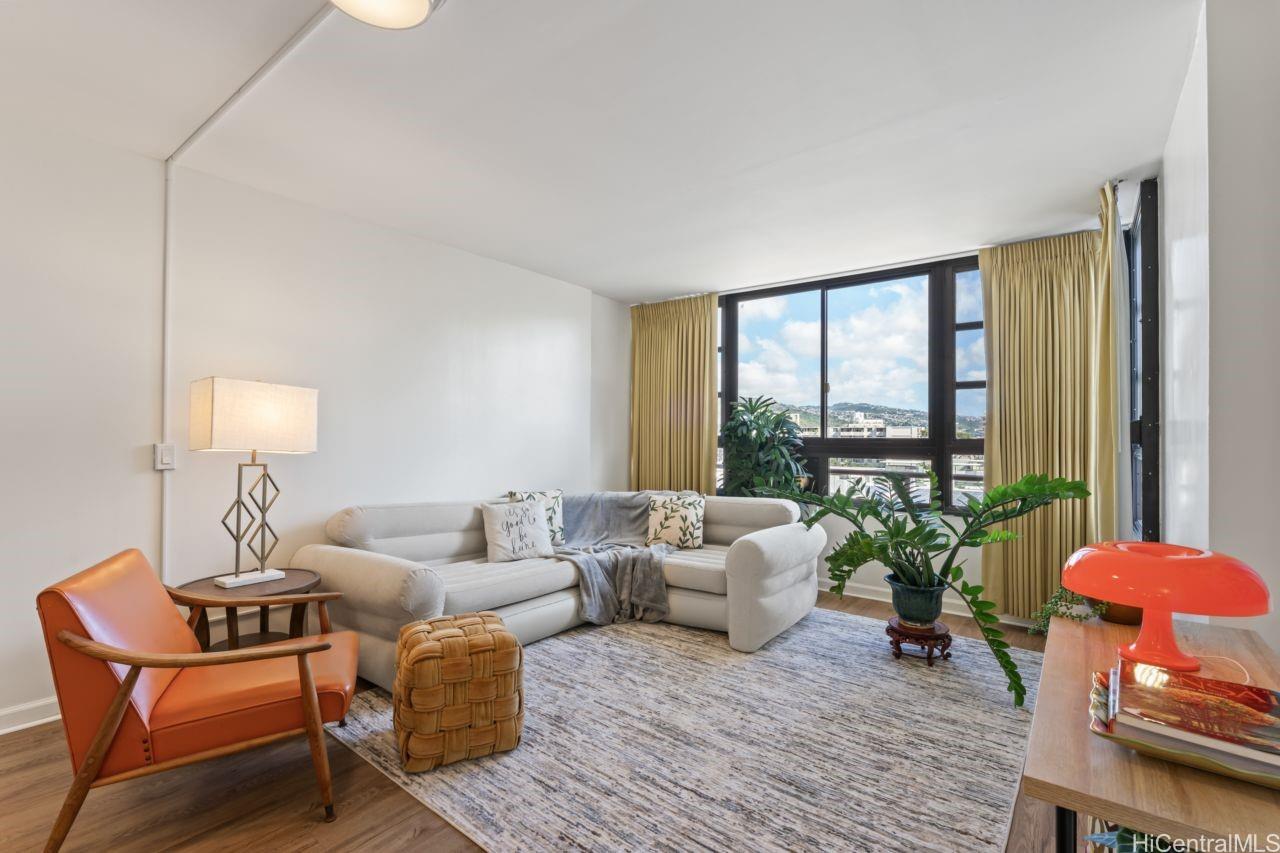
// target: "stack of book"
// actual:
[[1219, 726]]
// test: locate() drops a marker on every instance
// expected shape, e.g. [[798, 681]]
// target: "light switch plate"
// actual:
[[164, 457]]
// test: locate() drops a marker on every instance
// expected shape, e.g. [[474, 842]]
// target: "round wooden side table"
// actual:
[[934, 639], [294, 581]]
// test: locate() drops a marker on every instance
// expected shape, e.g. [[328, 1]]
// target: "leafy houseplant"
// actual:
[[908, 534], [1066, 604], [762, 447]]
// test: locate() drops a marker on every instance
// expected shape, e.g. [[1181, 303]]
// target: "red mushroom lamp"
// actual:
[[1165, 579]]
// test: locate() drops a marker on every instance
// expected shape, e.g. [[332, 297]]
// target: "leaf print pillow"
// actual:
[[676, 520], [554, 499]]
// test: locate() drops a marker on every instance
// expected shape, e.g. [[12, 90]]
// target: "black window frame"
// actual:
[[941, 443], [1142, 244]]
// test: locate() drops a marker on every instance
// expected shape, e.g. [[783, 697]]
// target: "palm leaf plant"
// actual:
[[910, 536], [762, 447]]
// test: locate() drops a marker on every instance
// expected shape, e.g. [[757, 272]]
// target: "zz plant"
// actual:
[[762, 448], [909, 535]]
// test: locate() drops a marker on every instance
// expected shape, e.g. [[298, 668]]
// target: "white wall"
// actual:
[[1221, 187], [1244, 256], [610, 393], [1184, 306], [442, 375], [80, 229]]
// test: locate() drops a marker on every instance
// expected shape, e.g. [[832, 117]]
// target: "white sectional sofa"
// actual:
[[755, 576]]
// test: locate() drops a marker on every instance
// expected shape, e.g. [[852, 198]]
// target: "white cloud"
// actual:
[[803, 338], [755, 379], [968, 301], [775, 356], [771, 308], [971, 360], [882, 381], [775, 371], [745, 344]]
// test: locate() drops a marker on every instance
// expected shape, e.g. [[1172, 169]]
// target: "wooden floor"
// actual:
[[267, 799]]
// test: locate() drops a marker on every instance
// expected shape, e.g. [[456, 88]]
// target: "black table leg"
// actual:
[[1064, 830]]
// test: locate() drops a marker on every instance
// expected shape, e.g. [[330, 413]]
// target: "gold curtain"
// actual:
[[673, 395], [1050, 403]]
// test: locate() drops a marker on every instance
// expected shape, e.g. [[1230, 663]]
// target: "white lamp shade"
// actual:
[[389, 14], [239, 414]]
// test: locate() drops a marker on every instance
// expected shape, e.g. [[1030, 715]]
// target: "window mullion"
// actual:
[[825, 388], [941, 359]]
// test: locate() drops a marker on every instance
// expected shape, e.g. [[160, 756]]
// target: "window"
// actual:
[[842, 472], [779, 349], [878, 359], [881, 372], [967, 386]]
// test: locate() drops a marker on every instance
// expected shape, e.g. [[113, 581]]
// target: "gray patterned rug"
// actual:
[[659, 737]]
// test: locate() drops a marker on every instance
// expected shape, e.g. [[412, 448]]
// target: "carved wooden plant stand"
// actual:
[[935, 639]]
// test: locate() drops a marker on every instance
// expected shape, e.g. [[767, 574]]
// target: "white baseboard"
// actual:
[[28, 714]]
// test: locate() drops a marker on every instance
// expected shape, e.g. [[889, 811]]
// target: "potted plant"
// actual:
[[1068, 605], [762, 448], [909, 535]]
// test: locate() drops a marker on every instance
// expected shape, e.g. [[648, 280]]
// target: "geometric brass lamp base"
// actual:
[[251, 528], [246, 578]]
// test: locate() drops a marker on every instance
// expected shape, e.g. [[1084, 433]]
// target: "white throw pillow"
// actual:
[[554, 499], [676, 519], [517, 531]]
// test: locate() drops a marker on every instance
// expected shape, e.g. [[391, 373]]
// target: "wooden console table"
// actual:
[[1077, 771]]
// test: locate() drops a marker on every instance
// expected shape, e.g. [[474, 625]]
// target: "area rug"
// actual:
[[658, 737]]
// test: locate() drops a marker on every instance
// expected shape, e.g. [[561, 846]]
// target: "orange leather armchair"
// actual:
[[137, 695]]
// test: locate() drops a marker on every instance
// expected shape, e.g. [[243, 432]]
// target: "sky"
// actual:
[[878, 345]]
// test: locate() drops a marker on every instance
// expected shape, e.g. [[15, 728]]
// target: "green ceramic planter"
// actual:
[[916, 605]]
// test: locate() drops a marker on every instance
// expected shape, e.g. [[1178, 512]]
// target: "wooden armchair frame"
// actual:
[[88, 775]]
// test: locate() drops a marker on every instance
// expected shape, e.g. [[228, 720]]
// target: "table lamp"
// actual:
[[1163, 579], [252, 417]]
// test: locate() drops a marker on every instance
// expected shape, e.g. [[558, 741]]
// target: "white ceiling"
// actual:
[[137, 74], [642, 149]]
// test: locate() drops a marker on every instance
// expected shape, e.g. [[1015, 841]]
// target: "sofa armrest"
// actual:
[[772, 580], [764, 554], [375, 583], [728, 518]]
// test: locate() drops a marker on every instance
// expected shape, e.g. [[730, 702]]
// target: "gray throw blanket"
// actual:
[[619, 577]]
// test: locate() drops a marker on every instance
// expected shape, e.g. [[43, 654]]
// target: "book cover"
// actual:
[[1208, 710]]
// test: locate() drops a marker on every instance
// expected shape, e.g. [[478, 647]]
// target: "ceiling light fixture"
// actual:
[[389, 14]]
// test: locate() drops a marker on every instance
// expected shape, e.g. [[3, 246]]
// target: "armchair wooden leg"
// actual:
[[315, 735], [92, 765]]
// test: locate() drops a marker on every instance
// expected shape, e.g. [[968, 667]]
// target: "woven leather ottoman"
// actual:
[[458, 691]]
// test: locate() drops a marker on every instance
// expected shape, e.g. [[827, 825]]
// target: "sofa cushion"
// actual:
[[476, 585], [701, 569]]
